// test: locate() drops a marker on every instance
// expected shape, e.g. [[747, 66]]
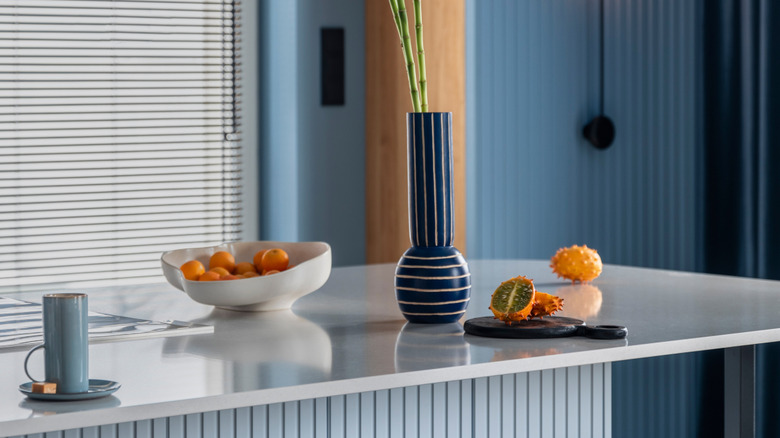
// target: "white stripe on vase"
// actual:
[[431, 267], [452, 185], [433, 314], [443, 179], [417, 277], [433, 169], [414, 172], [430, 258], [434, 304], [414, 289], [425, 183]]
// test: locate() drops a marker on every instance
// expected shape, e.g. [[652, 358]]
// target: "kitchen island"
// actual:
[[344, 362]]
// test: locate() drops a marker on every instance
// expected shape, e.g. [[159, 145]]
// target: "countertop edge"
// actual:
[[98, 417]]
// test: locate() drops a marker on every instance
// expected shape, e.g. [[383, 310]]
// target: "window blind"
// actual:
[[119, 137]]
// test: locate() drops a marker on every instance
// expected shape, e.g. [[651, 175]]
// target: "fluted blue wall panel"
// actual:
[[534, 183]]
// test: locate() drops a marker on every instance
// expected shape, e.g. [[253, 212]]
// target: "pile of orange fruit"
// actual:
[[223, 266]]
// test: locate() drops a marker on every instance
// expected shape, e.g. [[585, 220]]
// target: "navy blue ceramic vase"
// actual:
[[432, 280]]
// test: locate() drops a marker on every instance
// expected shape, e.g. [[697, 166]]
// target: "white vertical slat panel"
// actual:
[[225, 423], [425, 411], [607, 399], [306, 419], [352, 415], [209, 424], [108, 431], [410, 411], [598, 400], [479, 407], [176, 426], [125, 430], [439, 411], [494, 400], [534, 413], [573, 402], [396, 412], [382, 413], [259, 422], [508, 405], [321, 414], [143, 429], [337, 415], [560, 413], [290, 415], [243, 423], [368, 414], [160, 428], [453, 421], [521, 405], [548, 403], [466, 405], [192, 423], [559, 403], [586, 401], [275, 420]]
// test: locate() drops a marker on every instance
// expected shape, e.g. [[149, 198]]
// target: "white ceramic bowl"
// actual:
[[312, 262]]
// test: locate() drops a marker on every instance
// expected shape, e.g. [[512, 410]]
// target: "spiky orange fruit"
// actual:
[[513, 300], [545, 305], [576, 263]]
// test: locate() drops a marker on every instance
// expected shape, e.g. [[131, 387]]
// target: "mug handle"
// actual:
[[27, 358]]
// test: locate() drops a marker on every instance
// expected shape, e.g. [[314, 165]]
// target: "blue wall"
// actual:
[[313, 159], [534, 184]]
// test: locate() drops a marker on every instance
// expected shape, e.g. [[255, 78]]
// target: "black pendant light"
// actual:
[[600, 132]]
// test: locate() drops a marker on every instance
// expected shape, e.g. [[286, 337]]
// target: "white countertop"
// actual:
[[350, 337]]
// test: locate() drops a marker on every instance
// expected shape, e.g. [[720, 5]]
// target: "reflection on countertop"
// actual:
[[581, 301], [260, 347], [429, 346], [41, 408]]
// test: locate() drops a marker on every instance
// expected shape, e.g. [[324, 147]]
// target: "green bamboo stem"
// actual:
[[421, 56], [407, 46], [397, 18]]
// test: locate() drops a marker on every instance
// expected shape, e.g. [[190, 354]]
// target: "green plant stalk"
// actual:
[[397, 18], [421, 56], [407, 46]]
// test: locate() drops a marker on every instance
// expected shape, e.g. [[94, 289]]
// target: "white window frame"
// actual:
[[250, 118]]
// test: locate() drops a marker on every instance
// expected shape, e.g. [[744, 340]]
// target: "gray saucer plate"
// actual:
[[97, 388]]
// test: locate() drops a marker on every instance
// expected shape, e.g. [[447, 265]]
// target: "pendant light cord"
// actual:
[[601, 56]]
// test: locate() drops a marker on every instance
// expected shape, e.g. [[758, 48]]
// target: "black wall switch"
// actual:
[[332, 69]]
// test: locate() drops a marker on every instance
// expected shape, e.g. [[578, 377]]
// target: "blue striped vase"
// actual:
[[432, 280]]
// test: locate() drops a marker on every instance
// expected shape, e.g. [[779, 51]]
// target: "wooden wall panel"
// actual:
[[388, 101]]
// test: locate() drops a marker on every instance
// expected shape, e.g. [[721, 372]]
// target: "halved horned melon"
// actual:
[[545, 305], [513, 300]]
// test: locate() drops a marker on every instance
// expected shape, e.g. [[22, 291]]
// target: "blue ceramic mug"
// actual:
[[64, 342]]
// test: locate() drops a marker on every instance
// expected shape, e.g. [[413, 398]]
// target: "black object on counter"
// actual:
[[548, 327]]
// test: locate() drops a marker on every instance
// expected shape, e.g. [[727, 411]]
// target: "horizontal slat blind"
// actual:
[[119, 137]]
